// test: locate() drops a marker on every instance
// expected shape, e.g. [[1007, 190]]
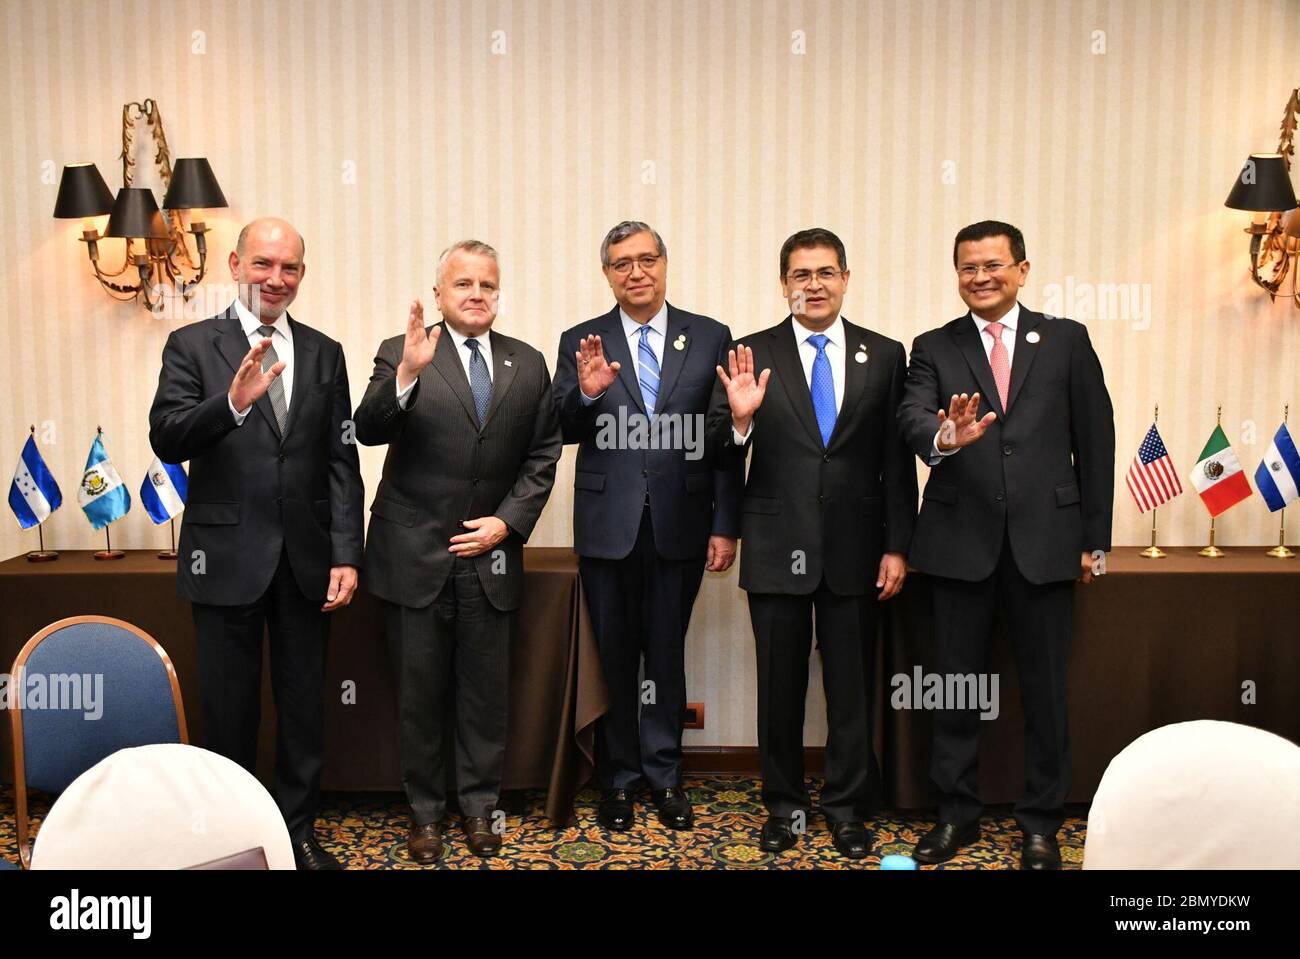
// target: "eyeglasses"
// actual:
[[624, 267], [970, 272], [804, 277]]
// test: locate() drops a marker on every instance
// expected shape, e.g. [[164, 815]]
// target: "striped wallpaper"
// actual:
[[1109, 131]]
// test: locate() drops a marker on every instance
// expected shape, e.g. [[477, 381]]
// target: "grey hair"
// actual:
[[469, 246], [622, 232]]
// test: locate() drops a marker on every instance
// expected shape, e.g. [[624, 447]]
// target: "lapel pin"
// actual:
[[1032, 336], [679, 343], [508, 363], [861, 355]]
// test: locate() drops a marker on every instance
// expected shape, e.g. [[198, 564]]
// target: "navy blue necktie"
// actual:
[[823, 388], [480, 383]]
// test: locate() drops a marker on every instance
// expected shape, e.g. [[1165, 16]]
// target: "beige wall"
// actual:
[[899, 124]]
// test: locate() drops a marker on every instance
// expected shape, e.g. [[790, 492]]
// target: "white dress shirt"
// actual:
[[484, 342], [281, 342], [1009, 323], [836, 353], [632, 330]]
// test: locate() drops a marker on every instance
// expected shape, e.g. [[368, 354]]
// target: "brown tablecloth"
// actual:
[[1155, 642], [557, 690]]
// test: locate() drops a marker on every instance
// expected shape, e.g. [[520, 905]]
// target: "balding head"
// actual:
[[267, 263]]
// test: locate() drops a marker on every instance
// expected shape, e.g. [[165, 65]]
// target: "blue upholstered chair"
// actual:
[[65, 720]]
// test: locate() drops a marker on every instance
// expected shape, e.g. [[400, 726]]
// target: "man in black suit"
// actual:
[[272, 530], [650, 514], [828, 511], [1010, 520], [472, 445]]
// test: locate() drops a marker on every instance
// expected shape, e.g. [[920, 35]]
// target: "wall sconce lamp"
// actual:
[[162, 256], [1264, 187]]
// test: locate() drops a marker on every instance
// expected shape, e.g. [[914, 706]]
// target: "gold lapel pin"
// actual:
[[680, 343]]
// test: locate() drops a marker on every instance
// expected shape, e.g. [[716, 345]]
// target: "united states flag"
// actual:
[[1152, 478]]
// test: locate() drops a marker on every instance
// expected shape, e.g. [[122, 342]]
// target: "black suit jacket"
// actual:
[[689, 499], [1044, 471], [252, 489], [442, 469], [839, 507]]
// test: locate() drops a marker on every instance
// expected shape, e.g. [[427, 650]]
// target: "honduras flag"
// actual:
[[162, 494], [1278, 476], [103, 496], [33, 495]]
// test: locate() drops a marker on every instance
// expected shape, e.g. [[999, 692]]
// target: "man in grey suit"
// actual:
[[472, 444]]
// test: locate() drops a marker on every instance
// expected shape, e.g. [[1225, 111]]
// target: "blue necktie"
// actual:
[[647, 371], [823, 388], [480, 383]]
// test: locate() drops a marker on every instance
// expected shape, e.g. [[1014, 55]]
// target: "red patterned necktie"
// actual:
[[1000, 362]]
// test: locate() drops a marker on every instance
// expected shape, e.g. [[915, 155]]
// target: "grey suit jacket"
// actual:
[[442, 469]]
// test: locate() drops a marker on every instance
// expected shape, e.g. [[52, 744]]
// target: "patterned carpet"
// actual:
[[369, 832]]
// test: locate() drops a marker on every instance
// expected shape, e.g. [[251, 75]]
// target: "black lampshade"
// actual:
[[193, 186], [1270, 190], [135, 214], [82, 193]]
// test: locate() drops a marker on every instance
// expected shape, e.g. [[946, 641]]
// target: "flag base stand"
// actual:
[[109, 554], [42, 556], [1153, 552], [1212, 551], [1281, 552], [168, 554]]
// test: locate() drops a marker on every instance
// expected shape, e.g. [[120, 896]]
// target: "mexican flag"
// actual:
[[1218, 476]]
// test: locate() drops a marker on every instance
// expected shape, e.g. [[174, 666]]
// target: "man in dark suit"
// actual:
[[650, 514], [472, 444], [828, 511], [272, 530], [1010, 520]]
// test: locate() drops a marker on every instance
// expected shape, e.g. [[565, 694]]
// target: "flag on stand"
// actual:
[[1278, 476], [103, 496], [1152, 478], [33, 495], [1218, 475], [162, 494]]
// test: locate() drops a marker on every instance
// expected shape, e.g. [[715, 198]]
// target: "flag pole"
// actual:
[[1153, 551], [170, 553], [107, 552], [1280, 551], [42, 555], [1212, 551]]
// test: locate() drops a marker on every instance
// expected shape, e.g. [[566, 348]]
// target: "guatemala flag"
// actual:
[[162, 494], [1278, 475], [33, 495], [103, 496]]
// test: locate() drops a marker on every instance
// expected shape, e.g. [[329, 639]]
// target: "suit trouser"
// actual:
[[846, 638], [1038, 619], [452, 657], [641, 603], [230, 688]]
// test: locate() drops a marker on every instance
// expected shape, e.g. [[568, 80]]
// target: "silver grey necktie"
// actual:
[[275, 392]]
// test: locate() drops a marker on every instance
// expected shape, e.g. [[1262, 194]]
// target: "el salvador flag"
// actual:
[[1278, 476], [33, 495], [103, 496], [162, 494]]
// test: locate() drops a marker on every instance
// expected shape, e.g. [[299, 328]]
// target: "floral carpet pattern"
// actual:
[[368, 831]]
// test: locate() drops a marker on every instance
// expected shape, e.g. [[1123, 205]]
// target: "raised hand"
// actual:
[[745, 392], [417, 352], [595, 375], [959, 426], [251, 383]]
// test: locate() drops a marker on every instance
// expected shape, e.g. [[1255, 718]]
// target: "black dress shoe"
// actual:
[[1039, 852], [674, 808], [944, 841], [309, 855], [480, 838], [616, 811], [777, 835], [852, 839]]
